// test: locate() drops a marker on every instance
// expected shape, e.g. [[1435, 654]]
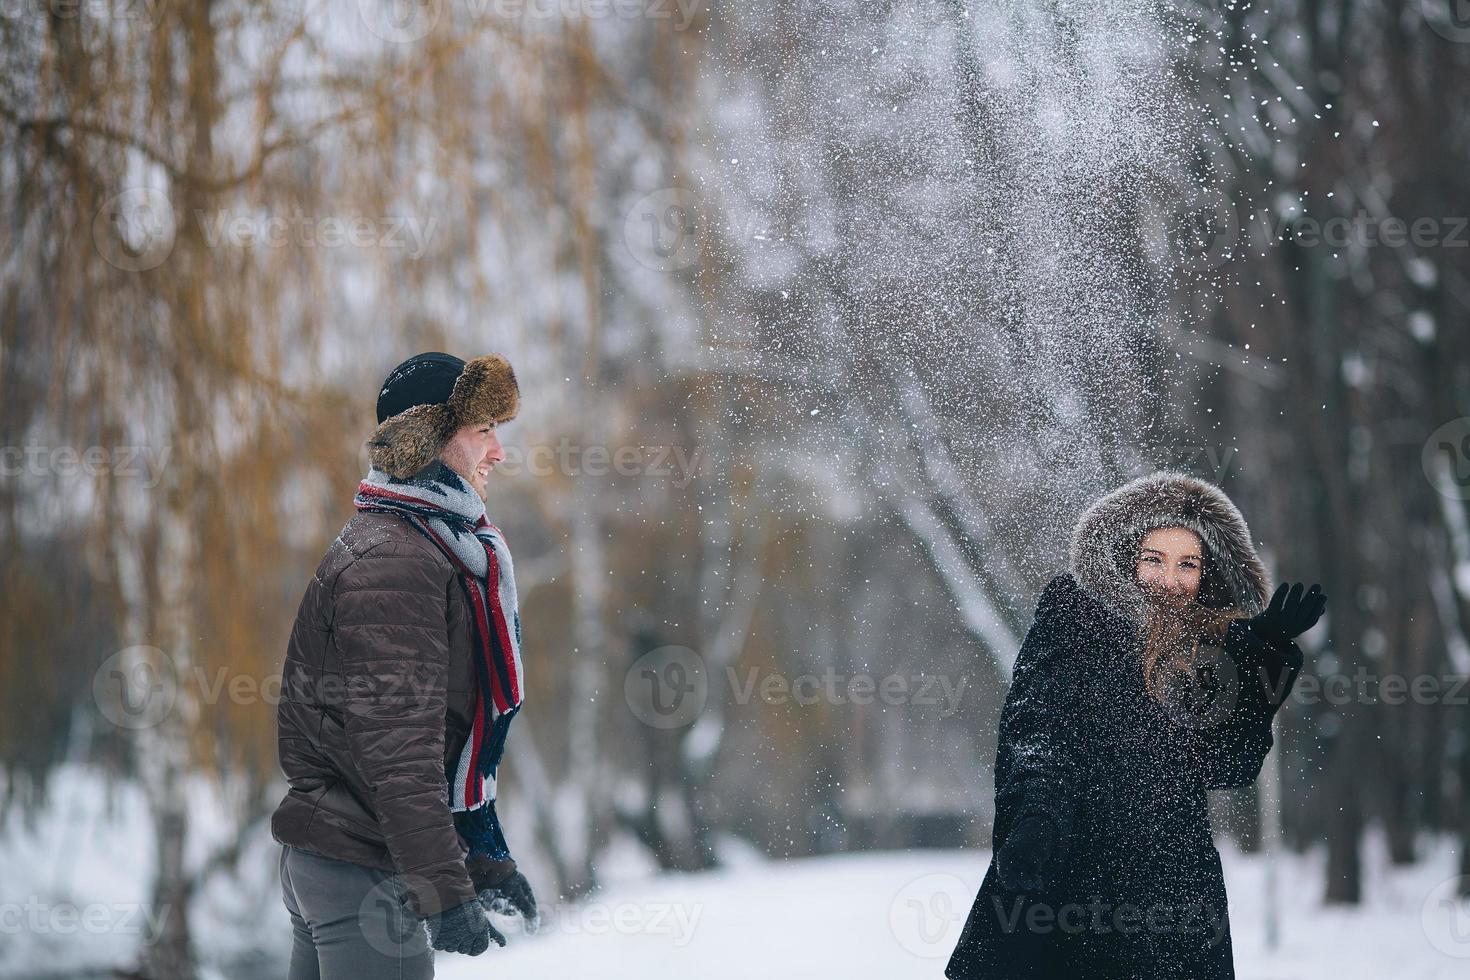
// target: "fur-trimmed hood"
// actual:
[[485, 391], [1105, 542]]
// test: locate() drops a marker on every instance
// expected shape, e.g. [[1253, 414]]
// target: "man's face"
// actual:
[[473, 453]]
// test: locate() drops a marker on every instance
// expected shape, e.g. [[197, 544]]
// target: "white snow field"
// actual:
[[73, 883], [888, 916]]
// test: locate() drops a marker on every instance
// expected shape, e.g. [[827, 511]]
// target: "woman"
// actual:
[[1150, 674]]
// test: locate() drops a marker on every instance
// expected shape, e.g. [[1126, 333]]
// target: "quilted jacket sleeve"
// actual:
[[389, 617]]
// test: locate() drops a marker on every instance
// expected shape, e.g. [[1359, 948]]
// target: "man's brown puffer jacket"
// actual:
[[376, 697]]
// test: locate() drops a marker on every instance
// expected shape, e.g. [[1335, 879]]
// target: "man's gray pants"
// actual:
[[350, 922]]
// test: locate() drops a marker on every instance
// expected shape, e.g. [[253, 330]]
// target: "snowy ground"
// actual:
[[897, 915], [72, 892]]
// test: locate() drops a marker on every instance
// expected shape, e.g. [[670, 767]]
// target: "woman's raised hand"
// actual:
[[1290, 614]]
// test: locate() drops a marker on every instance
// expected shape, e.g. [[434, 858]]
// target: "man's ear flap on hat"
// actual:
[[486, 391], [407, 442]]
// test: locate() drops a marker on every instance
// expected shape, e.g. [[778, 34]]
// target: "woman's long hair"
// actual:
[[1173, 629]]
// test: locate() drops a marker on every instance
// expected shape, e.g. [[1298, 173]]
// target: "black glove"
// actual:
[[463, 929], [1023, 863], [512, 896], [1289, 615]]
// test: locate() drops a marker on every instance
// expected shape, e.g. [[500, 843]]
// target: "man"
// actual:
[[402, 674]]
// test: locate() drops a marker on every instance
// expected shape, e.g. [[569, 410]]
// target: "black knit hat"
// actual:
[[424, 379]]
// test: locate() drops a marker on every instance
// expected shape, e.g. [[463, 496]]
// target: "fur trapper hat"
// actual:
[[429, 397]]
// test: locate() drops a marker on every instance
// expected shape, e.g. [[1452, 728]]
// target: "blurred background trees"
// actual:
[[878, 296]]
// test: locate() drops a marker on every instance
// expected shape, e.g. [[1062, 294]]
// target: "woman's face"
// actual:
[[1170, 561]]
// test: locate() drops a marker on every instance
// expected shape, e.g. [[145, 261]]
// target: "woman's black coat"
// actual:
[[1138, 890]]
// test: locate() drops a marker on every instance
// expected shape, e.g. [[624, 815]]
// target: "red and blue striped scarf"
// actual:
[[442, 507]]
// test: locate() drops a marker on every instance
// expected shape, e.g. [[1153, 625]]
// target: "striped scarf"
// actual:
[[443, 507]]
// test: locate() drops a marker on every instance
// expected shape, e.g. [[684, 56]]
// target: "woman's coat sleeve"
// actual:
[[1233, 751], [1038, 754]]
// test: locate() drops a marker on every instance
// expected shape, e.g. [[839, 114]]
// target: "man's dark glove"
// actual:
[[1025, 859], [463, 929], [504, 890], [1290, 614], [513, 897]]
